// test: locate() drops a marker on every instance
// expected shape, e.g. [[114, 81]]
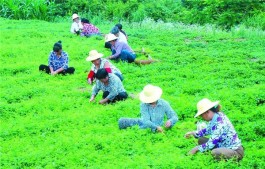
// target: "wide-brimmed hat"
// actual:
[[110, 37], [93, 55], [150, 94], [204, 105], [75, 16]]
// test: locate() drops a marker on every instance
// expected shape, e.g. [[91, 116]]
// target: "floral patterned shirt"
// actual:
[[89, 29], [222, 134], [58, 62], [152, 117], [114, 87]]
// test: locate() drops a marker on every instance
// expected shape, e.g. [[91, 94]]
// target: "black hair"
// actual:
[[216, 108], [84, 20], [57, 46], [101, 73], [119, 26]]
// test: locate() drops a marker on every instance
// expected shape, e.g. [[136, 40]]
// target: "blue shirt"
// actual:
[[222, 134], [152, 117], [114, 87], [58, 62]]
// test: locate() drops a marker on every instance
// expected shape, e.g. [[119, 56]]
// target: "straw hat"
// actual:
[[204, 105], [75, 16], [150, 94], [93, 55], [110, 37]]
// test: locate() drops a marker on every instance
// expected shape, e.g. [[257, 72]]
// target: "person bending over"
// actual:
[[223, 141], [111, 86], [98, 63], [122, 51], [153, 109]]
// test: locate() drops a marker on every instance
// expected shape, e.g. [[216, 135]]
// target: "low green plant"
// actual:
[[48, 122]]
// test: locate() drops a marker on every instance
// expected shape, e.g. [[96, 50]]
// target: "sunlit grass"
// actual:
[[47, 121]]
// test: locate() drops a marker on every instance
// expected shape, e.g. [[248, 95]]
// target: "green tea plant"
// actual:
[[48, 122]]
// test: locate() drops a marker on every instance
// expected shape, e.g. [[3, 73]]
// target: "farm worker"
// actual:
[[98, 63], [123, 51], [117, 31], [88, 28], [76, 27], [121, 37], [223, 141], [121, 30], [57, 62], [153, 109], [111, 86]]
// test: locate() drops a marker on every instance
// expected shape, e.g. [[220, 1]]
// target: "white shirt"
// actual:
[[76, 27], [122, 38]]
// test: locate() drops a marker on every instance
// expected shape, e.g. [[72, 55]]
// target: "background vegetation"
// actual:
[[47, 121], [224, 13]]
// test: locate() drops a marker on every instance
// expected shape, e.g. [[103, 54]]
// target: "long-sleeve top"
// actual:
[[114, 87], [152, 117], [119, 46], [112, 68], [89, 29], [76, 27], [222, 134], [58, 62]]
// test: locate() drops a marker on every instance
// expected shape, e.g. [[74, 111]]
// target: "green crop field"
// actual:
[[47, 121]]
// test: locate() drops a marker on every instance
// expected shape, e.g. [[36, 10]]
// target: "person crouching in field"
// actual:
[[121, 30], [123, 51], [153, 109], [223, 141], [98, 63], [88, 28], [121, 37], [58, 62], [111, 86], [76, 27], [117, 31]]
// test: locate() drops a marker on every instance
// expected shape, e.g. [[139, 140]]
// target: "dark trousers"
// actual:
[[120, 96], [108, 45], [47, 70]]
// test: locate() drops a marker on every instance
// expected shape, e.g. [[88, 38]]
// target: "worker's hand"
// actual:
[[89, 81], [159, 129], [189, 134], [193, 151], [168, 124]]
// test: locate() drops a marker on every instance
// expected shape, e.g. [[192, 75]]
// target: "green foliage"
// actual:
[[225, 13], [27, 9], [47, 121]]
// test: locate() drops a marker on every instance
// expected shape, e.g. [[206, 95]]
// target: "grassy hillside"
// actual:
[[48, 122]]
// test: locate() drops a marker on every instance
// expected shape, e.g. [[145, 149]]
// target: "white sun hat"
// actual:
[[204, 105], [93, 55], [110, 37], [150, 94], [75, 16]]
